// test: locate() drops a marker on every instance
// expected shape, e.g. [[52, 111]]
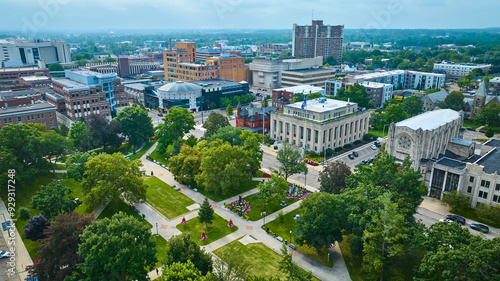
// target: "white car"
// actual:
[[4, 254], [446, 220], [374, 147]]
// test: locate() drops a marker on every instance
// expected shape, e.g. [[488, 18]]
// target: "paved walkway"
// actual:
[[167, 228]]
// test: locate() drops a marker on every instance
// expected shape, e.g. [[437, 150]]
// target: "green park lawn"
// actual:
[[257, 206], [162, 158], [216, 230], [283, 228], [141, 152], [400, 267], [263, 262], [120, 206], [161, 250], [219, 197], [468, 123], [166, 200]]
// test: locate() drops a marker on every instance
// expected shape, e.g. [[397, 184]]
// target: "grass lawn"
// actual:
[[141, 152], [263, 262], [401, 267], [162, 158], [468, 123], [377, 133], [289, 223], [257, 207], [166, 200], [121, 206], [161, 252], [77, 189], [220, 197], [216, 230]]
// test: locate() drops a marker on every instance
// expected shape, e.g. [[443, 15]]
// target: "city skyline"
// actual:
[[54, 15]]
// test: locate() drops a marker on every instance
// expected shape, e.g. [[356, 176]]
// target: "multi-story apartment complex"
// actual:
[[20, 52], [494, 86], [180, 64], [457, 71], [267, 72], [270, 48], [229, 66], [203, 53], [312, 76], [378, 92], [315, 40], [403, 79], [322, 124], [26, 106]]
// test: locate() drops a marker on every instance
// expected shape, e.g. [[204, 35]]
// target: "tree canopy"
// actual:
[[117, 248], [177, 122], [181, 248], [53, 199], [333, 177], [455, 101], [81, 137], [104, 134], [356, 93], [214, 122], [489, 115], [135, 124], [291, 160], [206, 213], [413, 105]]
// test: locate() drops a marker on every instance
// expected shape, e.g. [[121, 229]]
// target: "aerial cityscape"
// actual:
[[226, 140]]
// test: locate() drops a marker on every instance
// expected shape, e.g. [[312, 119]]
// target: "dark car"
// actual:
[[370, 160], [351, 156], [355, 154], [480, 227], [456, 218], [470, 129], [159, 114], [378, 144], [482, 131], [363, 162]]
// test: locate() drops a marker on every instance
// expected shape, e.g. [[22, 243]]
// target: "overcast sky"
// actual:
[[47, 15]]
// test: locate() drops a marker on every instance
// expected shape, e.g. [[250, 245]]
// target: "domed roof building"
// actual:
[[180, 94]]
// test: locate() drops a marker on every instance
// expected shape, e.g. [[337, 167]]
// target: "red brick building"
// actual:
[[19, 97], [10, 76], [280, 98], [252, 118], [26, 106]]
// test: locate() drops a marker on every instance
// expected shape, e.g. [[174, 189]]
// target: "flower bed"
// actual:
[[234, 206], [311, 162], [299, 197], [300, 194]]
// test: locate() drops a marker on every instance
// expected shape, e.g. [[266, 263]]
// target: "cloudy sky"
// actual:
[[47, 15]]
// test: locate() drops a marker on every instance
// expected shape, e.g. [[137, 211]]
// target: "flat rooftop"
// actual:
[[28, 107], [310, 70], [491, 161], [316, 105], [70, 84], [215, 82], [451, 163], [9, 69], [136, 86], [378, 74], [34, 78], [85, 72], [55, 95], [461, 142], [305, 89], [430, 120]]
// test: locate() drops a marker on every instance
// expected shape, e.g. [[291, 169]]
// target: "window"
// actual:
[[471, 179], [495, 198], [487, 184], [497, 187], [480, 194], [469, 189], [483, 182]]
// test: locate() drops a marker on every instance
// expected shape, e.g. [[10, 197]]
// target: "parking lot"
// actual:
[[3, 262], [364, 153]]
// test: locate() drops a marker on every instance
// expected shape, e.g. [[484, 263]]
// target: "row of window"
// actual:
[[28, 117], [485, 183]]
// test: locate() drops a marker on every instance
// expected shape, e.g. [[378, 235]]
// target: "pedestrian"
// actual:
[[157, 272], [152, 173]]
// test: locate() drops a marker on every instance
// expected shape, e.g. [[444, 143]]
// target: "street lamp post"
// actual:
[[156, 229], [290, 237], [383, 131]]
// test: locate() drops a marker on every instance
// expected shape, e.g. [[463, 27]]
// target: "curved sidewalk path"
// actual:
[[167, 227]]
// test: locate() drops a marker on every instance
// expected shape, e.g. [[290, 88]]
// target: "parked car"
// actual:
[[456, 218], [351, 156], [355, 154], [159, 114], [4, 254], [373, 147], [370, 159], [292, 246], [482, 131], [446, 220], [480, 227], [377, 144], [470, 129], [363, 162]]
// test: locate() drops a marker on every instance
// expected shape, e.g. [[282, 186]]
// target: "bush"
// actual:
[[357, 142], [34, 229], [368, 137], [347, 146], [456, 200], [338, 149], [24, 213], [489, 133], [488, 214], [281, 216], [329, 152]]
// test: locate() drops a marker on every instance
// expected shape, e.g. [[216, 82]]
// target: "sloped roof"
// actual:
[[438, 96], [481, 91]]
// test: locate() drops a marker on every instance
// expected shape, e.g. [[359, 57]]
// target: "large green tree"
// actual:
[[455, 101], [112, 177], [291, 270], [81, 137], [394, 113], [385, 237], [413, 105], [75, 164], [228, 134], [53, 199], [291, 160], [117, 248], [489, 115], [333, 177], [321, 222], [177, 122], [214, 122], [356, 93], [104, 133], [55, 146], [224, 168], [179, 271], [186, 165], [135, 124], [182, 248], [59, 251]]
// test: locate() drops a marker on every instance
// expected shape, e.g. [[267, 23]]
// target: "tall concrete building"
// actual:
[[315, 40], [25, 52]]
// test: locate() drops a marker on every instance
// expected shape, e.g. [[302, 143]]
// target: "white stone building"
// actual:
[[180, 94], [456, 71], [323, 123]]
